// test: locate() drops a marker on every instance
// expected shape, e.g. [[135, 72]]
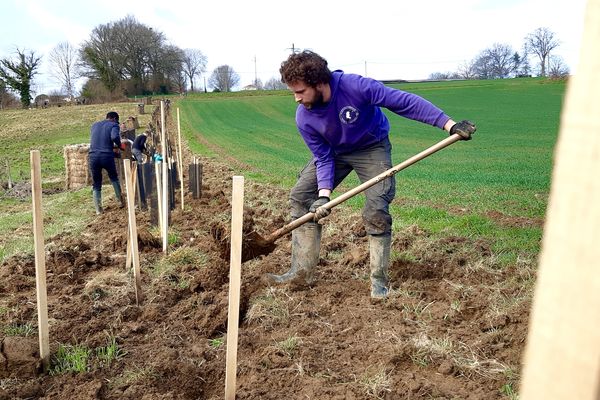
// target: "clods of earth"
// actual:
[[454, 326]]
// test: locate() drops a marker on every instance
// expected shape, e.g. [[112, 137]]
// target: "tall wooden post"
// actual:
[[40, 257], [237, 218], [180, 161], [562, 358], [133, 236], [10, 182]]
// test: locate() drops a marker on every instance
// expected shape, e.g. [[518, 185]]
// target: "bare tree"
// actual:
[[194, 65], [144, 49], [501, 58], [224, 78], [438, 76], [541, 42], [132, 57], [64, 61], [557, 67], [495, 62], [18, 74], [7, 99], [482, 66], [101, 57], [166, 68], [467, 70], [275, 84], [173, 66]]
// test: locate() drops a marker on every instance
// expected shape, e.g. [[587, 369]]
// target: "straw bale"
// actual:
[[76, 166]]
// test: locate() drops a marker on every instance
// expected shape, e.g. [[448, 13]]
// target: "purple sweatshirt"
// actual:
[[353, 120]]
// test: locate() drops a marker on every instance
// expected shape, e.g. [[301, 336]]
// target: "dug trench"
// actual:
[[453, 328]]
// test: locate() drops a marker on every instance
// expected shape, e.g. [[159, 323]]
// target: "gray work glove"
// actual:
[[464, 128], [317, 208]]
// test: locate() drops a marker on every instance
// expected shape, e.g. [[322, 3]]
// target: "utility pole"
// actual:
[[293, 49], [255, 76], [365, 68]]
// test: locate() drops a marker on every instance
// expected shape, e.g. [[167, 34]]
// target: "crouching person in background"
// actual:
[[138, 148]]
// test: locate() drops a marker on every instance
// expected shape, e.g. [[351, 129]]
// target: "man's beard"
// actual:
[[317, 102]]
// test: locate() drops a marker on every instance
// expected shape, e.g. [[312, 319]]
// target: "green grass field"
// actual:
[[505, 169], [47, 130]]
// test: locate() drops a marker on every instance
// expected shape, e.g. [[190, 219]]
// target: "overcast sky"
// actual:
[[381, 39]]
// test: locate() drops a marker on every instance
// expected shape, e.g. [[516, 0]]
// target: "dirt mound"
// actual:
[[453, 327], [20, 190]]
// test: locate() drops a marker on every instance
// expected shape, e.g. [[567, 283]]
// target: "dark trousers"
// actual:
[[137, 155], [367, 163], [98, 162]]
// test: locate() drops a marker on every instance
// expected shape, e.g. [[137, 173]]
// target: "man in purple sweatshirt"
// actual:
[[341, 122]]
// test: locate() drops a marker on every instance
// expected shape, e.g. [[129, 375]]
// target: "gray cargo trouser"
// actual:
[[367, 163], [137, 154]]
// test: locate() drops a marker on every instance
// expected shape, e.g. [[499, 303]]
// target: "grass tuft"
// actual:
[[216, 343], [169, 267], [270, 309], [509, 391], [79, 358], [70, 358], [289, 346], [376, 382], [16, 329], [106, 355], [135, 375]]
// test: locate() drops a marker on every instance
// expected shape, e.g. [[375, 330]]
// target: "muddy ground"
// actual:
[[453, 328]]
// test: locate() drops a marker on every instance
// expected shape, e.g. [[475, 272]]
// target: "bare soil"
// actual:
[[453, 328]]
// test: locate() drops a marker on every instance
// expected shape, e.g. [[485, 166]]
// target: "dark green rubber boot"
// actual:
[[306, 244], [379, 247], [118, 194], [97, 201]]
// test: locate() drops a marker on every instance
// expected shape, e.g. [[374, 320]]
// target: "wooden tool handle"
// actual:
[[364, 186]]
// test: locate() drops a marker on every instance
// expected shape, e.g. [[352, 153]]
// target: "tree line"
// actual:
[[120, 58], [501, 61], [129, 58]]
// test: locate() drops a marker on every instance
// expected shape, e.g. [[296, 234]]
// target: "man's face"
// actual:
[[306, 95]]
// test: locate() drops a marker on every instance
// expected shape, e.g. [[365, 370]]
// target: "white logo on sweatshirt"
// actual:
[[348, 115]]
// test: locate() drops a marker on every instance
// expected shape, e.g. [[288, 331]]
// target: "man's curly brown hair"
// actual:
[[307, 67]]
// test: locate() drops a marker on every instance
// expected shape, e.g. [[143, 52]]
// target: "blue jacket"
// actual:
[[104, 135], [353, 120]]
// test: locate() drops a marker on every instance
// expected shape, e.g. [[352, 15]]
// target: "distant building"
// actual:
[[42, 101], [250, 87]]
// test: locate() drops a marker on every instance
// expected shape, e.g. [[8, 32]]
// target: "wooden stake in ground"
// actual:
[[9, 181], [40, 257], [237, 217], [128, 258], [133, 231], [165, 179], [562, 358], [180, 161]]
